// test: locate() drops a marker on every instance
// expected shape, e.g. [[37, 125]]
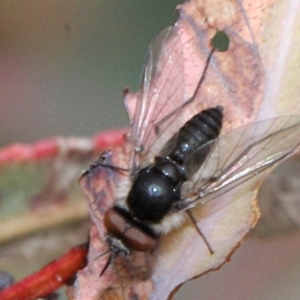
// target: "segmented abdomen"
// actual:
[[199, 130]]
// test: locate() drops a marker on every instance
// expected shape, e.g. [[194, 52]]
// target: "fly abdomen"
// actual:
[[199, 130]]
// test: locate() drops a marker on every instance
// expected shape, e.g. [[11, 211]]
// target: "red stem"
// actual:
[[49, 278], [50, 147]]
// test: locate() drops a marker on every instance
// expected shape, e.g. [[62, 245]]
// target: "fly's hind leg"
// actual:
[[191, 217]]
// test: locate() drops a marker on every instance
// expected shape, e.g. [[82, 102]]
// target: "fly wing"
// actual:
[[161, 93], [240, 155], [162, 88]]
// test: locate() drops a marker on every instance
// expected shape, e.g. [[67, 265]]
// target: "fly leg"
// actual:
[[191, 217], [103, 161]]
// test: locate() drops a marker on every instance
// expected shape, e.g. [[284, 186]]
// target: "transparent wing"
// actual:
[[240, 155], [161, 93]]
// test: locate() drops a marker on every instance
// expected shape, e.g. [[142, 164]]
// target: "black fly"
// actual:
[[177, 158]]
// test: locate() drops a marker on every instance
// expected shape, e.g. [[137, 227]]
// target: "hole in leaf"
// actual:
[[220, 41]]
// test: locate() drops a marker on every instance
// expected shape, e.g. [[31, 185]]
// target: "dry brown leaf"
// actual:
[[239, 79]]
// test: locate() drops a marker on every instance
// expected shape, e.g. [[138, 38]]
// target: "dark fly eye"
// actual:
[[119, 225], [114, 223], [136, 239]]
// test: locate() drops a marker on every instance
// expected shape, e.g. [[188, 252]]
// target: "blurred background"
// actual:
[[64, 64], [63, 67]]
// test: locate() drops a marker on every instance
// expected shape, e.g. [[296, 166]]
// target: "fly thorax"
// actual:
[[154, 191]]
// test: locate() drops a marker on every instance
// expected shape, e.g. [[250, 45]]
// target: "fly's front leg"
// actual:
[[105, 162]]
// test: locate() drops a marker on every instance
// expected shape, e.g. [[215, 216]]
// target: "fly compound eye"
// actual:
[[114, 223], [136, 239], [133, 236]]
